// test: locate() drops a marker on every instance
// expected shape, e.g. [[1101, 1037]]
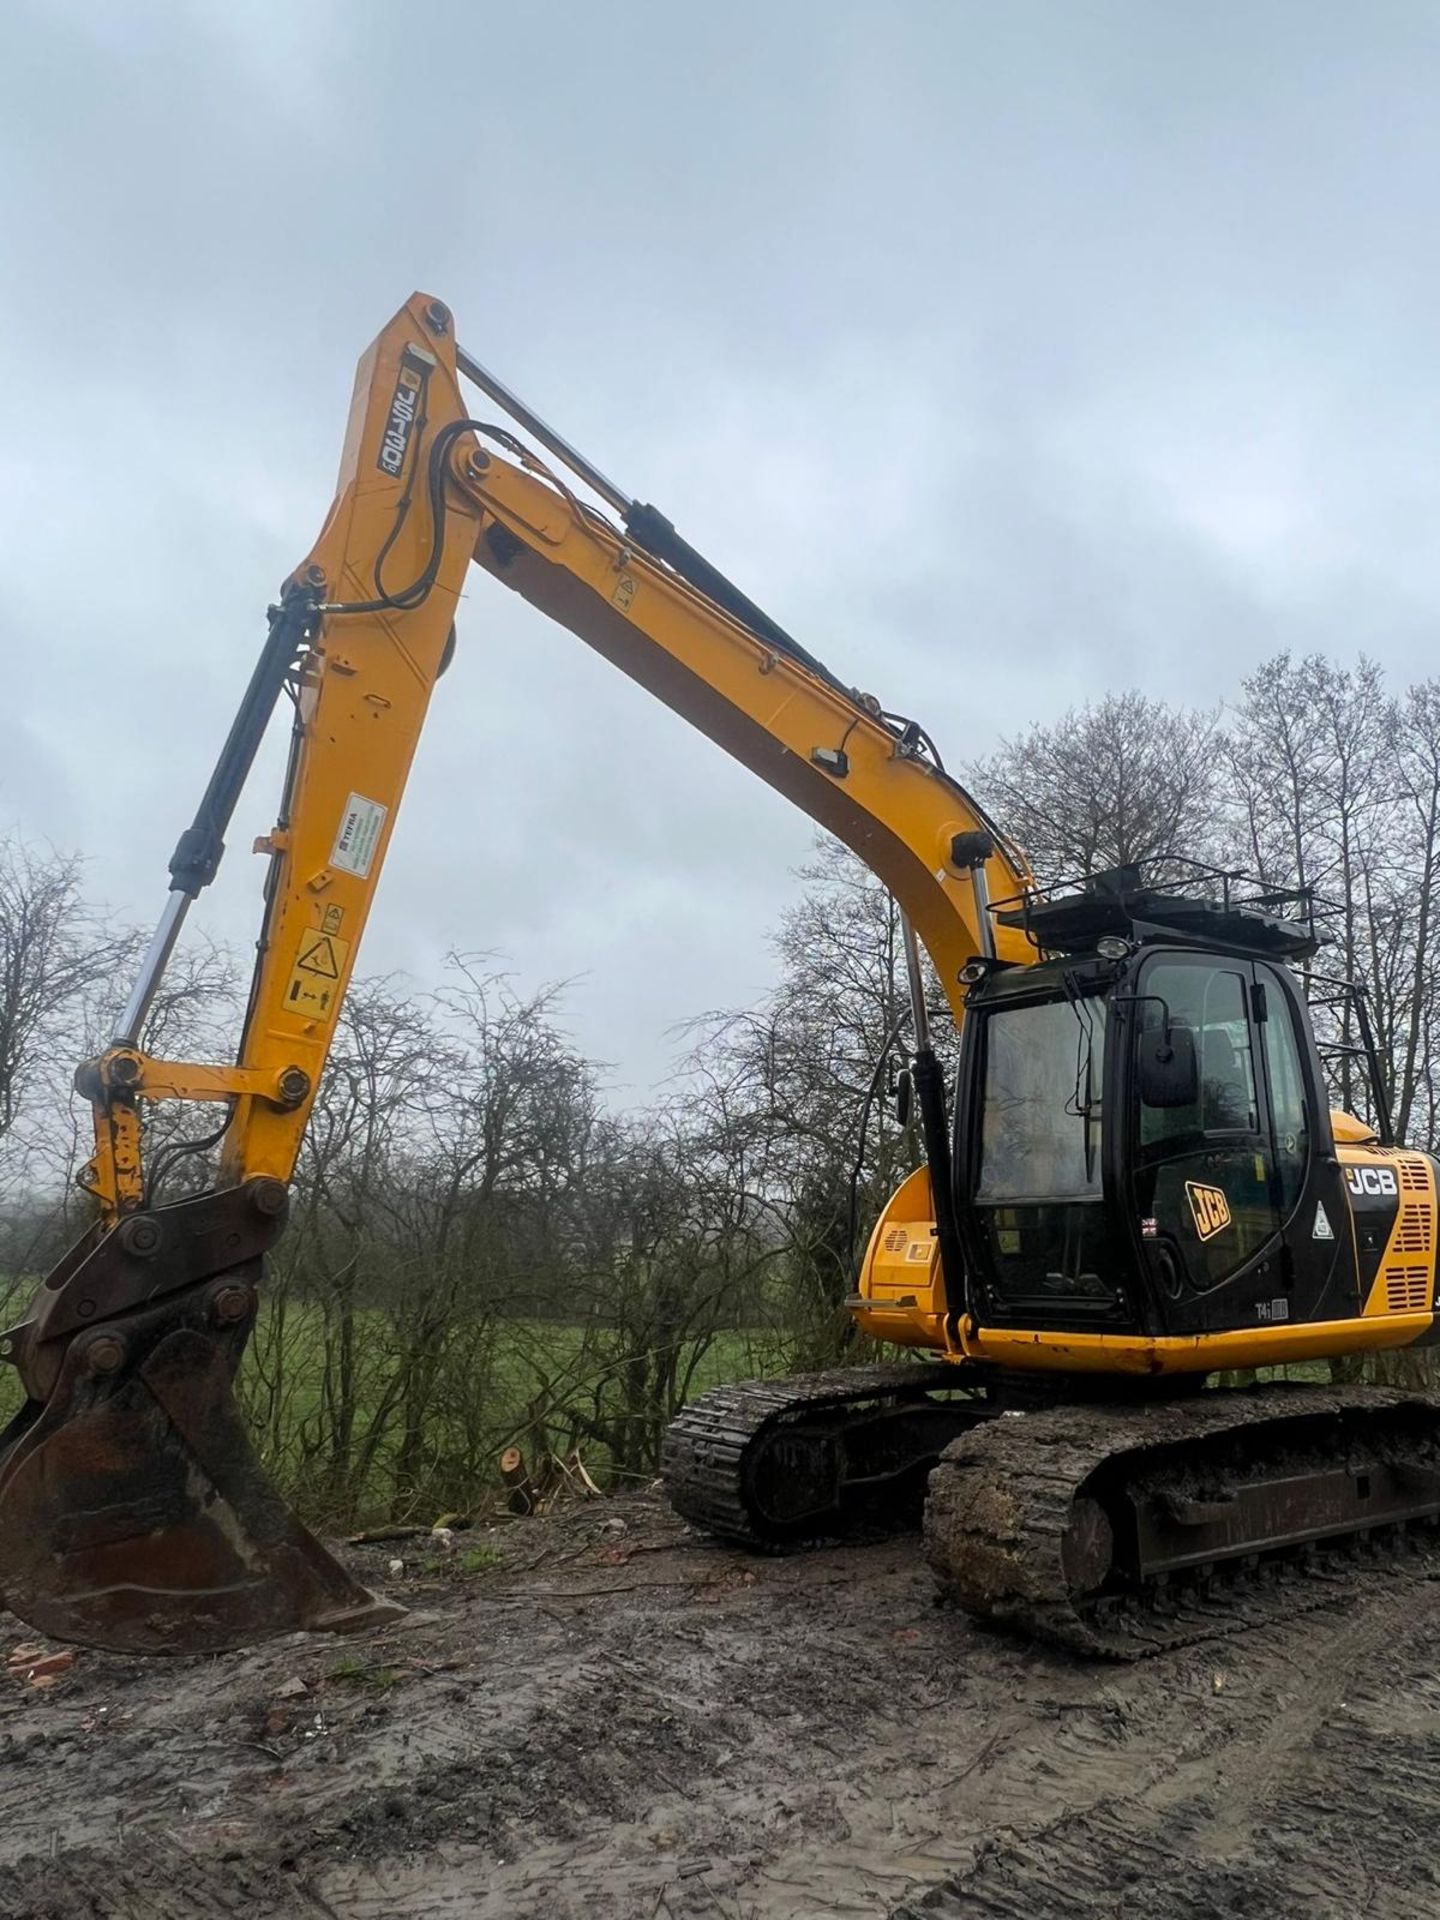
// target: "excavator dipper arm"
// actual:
[[133, 1513]]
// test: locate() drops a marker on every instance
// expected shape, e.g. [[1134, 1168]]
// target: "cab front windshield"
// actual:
[[1040, 1126]]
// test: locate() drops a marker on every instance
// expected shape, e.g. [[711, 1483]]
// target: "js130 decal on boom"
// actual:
[[1137, 1183]]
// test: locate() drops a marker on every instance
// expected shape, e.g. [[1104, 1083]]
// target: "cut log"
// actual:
[[521, 1495]]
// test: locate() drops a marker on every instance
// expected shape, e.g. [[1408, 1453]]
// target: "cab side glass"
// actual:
[[1289, 1116]]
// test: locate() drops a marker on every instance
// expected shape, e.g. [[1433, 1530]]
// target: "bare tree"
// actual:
[[1125, 779], [54, 950], [1404, 970], [1314, 797], [790, 1095]]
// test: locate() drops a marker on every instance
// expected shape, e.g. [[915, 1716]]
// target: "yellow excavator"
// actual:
[[1134, 1183]]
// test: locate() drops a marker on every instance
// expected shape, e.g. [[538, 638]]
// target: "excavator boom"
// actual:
[[133, 1511]]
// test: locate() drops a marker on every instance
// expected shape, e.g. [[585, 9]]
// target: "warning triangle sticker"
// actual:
[[1323, 1229], [320, 958]]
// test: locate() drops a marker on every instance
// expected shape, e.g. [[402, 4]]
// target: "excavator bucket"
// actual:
[[134, 1514]]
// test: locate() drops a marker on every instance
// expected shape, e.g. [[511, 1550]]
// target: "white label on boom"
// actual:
[[359, 836]]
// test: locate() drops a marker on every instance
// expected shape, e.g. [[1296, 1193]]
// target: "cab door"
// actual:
[[1220, 1186], [1322, 1280]]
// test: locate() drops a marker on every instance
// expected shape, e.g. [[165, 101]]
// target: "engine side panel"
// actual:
[[1391, 1193]]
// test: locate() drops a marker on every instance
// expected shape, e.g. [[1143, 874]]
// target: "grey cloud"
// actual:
[[1010, 354]]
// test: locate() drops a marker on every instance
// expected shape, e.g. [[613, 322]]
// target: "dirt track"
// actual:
[[623, 1721]]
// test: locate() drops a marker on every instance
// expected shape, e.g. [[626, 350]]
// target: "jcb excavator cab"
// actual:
[[1144, 1146]]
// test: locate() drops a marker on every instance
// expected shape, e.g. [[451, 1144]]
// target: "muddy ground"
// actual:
[[601, 1715]]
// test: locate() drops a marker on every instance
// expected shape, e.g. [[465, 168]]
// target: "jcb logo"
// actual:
[[1363, 1181], [1210, 1208], [404, 407]]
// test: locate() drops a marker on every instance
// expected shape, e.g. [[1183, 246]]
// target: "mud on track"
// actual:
[[621, 1722]]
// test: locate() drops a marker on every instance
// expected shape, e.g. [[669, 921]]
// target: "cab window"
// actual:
[[1211, 1001]]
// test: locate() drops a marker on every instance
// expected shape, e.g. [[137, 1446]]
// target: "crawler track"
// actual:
[[774, 1463], [1122, 1531]]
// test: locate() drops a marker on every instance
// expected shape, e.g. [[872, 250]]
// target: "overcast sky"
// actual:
[[1009, 354]]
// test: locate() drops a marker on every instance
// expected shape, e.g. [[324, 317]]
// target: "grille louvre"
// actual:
[[1407, 1289], [1412, 1168], [1413, 1235]]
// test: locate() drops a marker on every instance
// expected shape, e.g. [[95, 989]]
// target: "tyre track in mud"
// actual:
[[1320, 1800], [619, 1724]]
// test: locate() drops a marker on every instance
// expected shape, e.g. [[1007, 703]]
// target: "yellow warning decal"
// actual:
[[1210, 1208], [314, 985]]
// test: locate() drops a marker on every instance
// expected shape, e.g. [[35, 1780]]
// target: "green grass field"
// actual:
[[503, 1382], [542, 1385]]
